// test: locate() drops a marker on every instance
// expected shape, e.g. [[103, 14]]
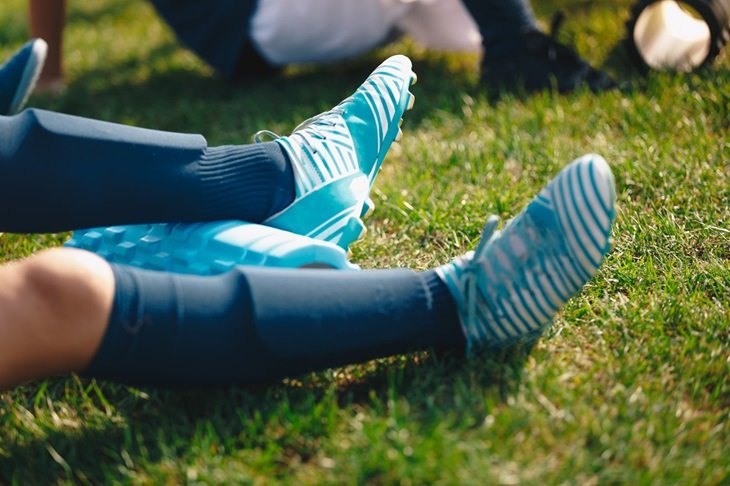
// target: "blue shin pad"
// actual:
[[208, 248]]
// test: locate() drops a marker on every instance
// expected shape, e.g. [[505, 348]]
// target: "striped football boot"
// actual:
[[19, 75], [335, 157], [337, 154], [511, 286]]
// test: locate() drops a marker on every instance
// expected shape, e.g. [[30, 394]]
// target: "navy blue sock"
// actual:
[[60, 172], [501, 20], [254, 325]]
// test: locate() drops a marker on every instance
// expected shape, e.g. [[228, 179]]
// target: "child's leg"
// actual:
[[499, 18], [442, 24], [54, 309], [62, 307], [517, 54], [295, 31], [252, 325], [60, 172], [258, 324]]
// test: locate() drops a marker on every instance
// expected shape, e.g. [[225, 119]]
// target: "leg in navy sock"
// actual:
[[501, 15], [60, 172], [500, 19], [252, 325], [517, 54]]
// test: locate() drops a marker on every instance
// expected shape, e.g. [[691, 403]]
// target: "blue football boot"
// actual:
[[208, 248], [337, 154], [335, 157], [509, 288], [19, 75]]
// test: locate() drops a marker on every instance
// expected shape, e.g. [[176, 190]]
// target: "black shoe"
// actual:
[[536, 61]]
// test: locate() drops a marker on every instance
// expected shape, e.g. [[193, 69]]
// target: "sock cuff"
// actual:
[[246, 182], [118, 338], [444, 311]]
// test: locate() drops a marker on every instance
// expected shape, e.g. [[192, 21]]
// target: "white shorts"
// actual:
[[295, 31]]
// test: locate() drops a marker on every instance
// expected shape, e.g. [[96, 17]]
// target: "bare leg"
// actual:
[[47, 21], [54, 309]]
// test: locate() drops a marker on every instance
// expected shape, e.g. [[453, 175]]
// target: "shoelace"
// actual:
[[540, 244], [313, 122]]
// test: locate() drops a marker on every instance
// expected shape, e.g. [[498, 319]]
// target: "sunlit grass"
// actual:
[[632, 384]]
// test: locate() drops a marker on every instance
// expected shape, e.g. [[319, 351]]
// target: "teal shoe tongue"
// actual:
[[542, 211], [364, 131]]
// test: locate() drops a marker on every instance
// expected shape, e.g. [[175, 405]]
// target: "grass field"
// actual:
[[632, 383]]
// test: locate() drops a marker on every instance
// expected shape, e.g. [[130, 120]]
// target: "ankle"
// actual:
[[245, 182], [448, 334]]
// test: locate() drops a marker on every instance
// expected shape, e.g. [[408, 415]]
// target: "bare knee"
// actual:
[[73, 290], [67, 282], [54, 311]]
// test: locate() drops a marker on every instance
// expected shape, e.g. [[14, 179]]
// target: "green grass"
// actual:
[[632, 384]]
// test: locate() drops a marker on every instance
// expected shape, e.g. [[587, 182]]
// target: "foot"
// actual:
[[508, 289], [337, 154], [19, 75], [537, 61]]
